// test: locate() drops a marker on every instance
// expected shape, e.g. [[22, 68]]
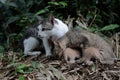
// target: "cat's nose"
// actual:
[[38, 35]]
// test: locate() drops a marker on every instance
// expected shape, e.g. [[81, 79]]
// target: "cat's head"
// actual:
[[71, 55], [47, 23]]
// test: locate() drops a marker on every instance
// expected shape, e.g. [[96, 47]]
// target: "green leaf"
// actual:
[[94, 29], [3, 1], [93, 68], [53, 3], [21, 71], [22, 1], [12, 4], [21, 66], [12, 35], [12, 19], [21, 78], [40, 12], [64, 4], [29, 70], [110, 27], [34, 64]]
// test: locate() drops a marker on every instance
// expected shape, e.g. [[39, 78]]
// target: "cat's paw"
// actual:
[[37, 53], [48, 54]]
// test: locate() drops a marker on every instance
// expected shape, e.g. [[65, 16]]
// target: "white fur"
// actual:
[[59, 30], [40, 27], [30, 44], [47, 46]]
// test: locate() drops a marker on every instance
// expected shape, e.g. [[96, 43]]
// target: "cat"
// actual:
[[59, 30], [82, 39], [33, 39], [90, 53], [71, 55]]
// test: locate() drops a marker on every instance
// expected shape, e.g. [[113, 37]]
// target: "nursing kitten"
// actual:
[[31, 40], [71, 55], [91, 53], [75, 38]]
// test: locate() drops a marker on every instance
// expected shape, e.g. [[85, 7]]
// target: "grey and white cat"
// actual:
[[49, 27]]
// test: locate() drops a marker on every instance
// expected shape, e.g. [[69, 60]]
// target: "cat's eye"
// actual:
[[68, 59], [76, 58], [43, 29]]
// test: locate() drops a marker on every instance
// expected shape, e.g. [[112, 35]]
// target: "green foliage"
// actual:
[[14, 19], [17, 15], [21, 78], [93, 67], [24, 68], [61, 4], [34, 64], [110, 27], [20, 69]]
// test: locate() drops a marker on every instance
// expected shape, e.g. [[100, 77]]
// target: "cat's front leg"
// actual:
[[47, 47], [44, 34]]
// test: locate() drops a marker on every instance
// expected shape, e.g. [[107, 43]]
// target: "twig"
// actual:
[[105, 76], [81, 23], [76, 69], [10, 66], [117, 53], [69, 22], [93, 18]]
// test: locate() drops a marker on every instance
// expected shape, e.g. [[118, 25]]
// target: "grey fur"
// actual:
[[75, 38]]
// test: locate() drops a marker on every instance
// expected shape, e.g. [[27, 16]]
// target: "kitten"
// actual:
[[89, 53], [75, 38], [71, 55], [59, 30], [31, 40]]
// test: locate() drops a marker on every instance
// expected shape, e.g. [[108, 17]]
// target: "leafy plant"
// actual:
[[20, 69], [21, 78], [23, 68], [110, 27], [34, 64], [16, 18]]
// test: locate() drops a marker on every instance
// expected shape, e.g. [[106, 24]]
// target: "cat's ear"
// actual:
[[51, 19]]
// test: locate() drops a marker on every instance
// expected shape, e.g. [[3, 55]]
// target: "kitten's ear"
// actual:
[[51, 19]]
